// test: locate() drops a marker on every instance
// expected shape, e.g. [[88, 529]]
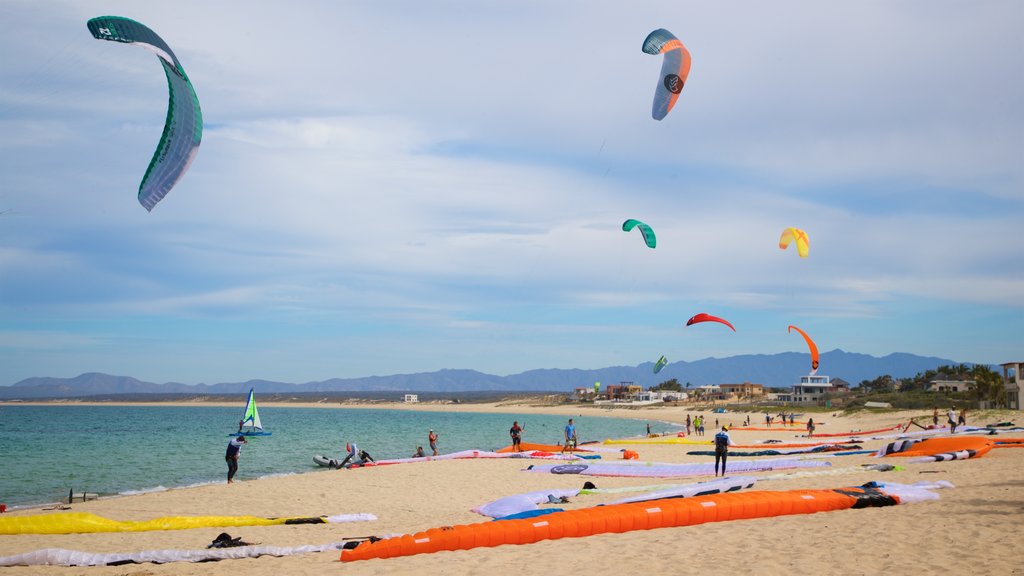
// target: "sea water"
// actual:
[[47, 451]]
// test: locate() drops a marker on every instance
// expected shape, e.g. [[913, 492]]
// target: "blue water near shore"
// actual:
[[45, 451]]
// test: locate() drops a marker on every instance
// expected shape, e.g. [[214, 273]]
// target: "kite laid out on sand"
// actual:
[[660, 470], [947, 447], [183, 129], [648, 515], [63, 557], [675, 67], [85, 523]]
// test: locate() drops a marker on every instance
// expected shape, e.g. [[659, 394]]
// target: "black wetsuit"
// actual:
[[232, 458], [721, 451]]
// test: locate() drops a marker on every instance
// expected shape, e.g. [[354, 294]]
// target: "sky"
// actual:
[[405, 186]]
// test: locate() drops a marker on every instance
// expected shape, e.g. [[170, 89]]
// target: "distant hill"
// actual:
[[773, 370]]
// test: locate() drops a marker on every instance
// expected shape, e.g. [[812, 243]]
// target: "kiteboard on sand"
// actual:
[[251, 418]]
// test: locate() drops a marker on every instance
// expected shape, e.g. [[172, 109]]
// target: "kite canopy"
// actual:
[[645, 230], [702, 317], [183, 129], [675, 67], [803, 245], [660, 364], [810, 345]]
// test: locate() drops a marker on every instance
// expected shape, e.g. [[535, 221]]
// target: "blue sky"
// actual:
[[393, 187]]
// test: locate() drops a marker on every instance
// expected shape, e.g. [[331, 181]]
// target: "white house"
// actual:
[[411, 398], [1013, 383], [950, 385], [812, 389]]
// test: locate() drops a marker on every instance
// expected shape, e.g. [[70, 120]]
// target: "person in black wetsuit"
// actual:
[[233, 452], [722, 443]]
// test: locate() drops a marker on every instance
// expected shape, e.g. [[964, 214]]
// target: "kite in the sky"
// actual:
[[675, 67], [660, 364], [790, 235], [646, 230], [183, 129], [810, 345], [702, 317]]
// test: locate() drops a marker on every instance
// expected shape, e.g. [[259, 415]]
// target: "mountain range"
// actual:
[[771, 370]]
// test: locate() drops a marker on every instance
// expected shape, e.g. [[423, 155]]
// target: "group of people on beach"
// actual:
[[697, 423], [356, 456]]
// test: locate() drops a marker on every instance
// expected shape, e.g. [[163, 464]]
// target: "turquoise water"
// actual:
[[45, 451]]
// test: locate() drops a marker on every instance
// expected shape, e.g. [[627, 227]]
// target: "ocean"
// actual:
[[46, 451]]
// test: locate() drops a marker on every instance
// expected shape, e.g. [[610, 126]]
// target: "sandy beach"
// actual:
[[973, 528]]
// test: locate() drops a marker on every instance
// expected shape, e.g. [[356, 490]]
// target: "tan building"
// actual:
[[950, 385], [623, 391], [745, 390], [1012, 383]]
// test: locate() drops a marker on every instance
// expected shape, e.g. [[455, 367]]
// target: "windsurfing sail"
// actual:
[[251, 418]]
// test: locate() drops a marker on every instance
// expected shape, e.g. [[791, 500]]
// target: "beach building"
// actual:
[[584, 393], [623, 391], [950, 385], [744, 390], [1012, 383], [411, 398], [812, 389]]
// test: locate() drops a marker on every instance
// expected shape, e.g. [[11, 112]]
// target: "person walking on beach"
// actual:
[[570, 437], [951, 416], [432, 438], [234, 451], [810, 427], [935, 417], [722, 443], [767, 420], [962, 419], [648, 429], [687, 424], [516, 433]]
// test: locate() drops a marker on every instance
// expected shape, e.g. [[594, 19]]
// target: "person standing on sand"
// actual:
[[570, 437], [432, 438], [516, 433], [722, 443], [234, 451], [810, 427], [962, 420], [648, 429], [687, 424], [951, 416], [935, 417]]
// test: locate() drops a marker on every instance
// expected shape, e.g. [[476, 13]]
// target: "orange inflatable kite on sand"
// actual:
[[979, 445], [622, 518]]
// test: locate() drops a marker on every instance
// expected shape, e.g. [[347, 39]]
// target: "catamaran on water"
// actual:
[[250, 424]]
